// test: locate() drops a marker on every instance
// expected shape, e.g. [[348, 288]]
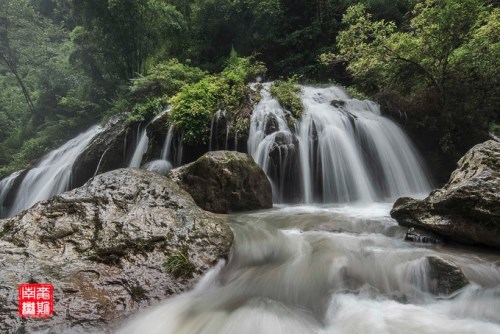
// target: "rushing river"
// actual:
[[343, 269]]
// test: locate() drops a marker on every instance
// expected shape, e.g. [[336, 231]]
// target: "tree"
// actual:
[[17, 21], [119, 36], [449, 51]]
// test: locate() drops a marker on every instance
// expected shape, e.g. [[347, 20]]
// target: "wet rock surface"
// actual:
[[467, 208], [445, 277], [106, 152], [107, 247], [225, 181]]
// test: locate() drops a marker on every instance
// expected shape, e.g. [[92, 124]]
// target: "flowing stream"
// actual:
[[342, 269]]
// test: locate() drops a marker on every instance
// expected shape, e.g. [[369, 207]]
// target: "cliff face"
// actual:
[[467, 208]]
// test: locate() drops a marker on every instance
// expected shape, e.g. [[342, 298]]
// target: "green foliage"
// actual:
[[119, 36], [288, 95], [450, 52], [165, 79], [179, 265], [149, 94], [495, 129], [193, 107]]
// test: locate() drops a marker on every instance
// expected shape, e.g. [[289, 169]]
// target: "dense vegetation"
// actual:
[[67, 64], [442, 68]]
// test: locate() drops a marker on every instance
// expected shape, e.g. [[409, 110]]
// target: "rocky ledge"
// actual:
[[225, 181], [126, 239], [467, 208]]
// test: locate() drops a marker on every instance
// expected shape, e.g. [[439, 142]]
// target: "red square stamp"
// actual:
[[36, 300]]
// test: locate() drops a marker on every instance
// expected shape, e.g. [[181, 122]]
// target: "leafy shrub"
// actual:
[[149, 94], [287, 94], [166, 79], [194, 106]]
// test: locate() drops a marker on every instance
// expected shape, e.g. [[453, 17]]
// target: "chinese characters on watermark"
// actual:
[[36, 300]]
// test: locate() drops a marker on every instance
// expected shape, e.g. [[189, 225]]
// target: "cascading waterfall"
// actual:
[[215, 123], [140, 148], [5, 187], [269, 131], [360, 154], [52, 175], [163, 165], [347, 151], [165, 151]]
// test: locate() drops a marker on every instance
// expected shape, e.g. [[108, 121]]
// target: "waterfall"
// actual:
[[140, 148], [5, 186], [214, 130], [52, 175], [269, 132], [165, 151], [347, 151], [163, 165]]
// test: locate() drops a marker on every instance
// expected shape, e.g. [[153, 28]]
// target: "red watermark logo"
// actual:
[[36, 300]]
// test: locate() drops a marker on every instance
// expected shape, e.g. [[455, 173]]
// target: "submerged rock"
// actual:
[[467, 208], [125, 240], [445, 277], [224, 181]]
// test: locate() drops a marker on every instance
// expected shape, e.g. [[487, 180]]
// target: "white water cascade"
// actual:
[[163, 165], [141, 146], [5, 187], [261, 143], [347, 151], [52, 175], [329, 270]]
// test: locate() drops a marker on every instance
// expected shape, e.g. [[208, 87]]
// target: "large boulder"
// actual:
[[445, 277], [225, 181], [467, 208], [125, 240]]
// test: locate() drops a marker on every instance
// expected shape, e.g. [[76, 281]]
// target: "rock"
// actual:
[[420, 237], [106, 152], [225, 181], [108, 249], [445, 276], [284, 167], [467, 208], [271, 124], [338, 103]]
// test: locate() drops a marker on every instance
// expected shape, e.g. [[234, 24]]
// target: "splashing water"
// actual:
[[328, 270]]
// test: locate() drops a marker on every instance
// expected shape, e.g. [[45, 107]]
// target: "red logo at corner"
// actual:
[[36, 300]]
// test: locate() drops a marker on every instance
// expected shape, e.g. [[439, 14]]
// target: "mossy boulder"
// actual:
[[225, 181], [109, 249], [467, 208]]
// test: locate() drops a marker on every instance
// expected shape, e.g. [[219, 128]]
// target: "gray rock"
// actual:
[[445, 276], [271, 124], [108, 248], [467, 208], [225, 181], [106, 151]]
